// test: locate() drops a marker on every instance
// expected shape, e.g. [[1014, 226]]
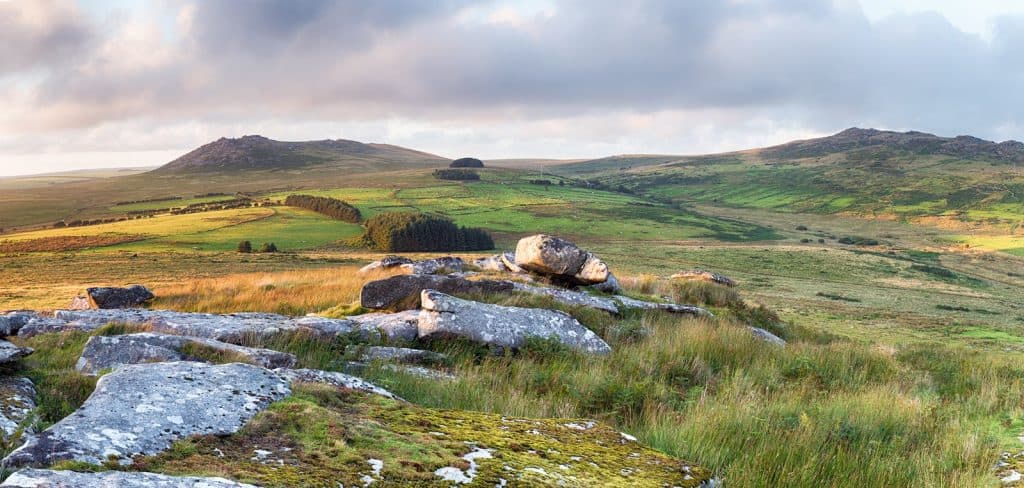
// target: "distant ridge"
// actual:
[[255, 152], [967, 147]]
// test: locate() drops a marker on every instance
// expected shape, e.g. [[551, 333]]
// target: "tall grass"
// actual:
[[822, 411]]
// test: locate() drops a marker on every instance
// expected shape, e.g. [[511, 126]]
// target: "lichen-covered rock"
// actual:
[[10, 353], [509, 260], [450, 446], [701, 275], [571, 298], [108, 352], [114, 297], [385, 263], [560, 259], [333, 378], [401, 326], [402, 292], [45, 478], [768, 337], [610, 286], [627, 302], [446, 264], [142, 409], [402, 355], [17, 400], [446, 316], [12, 322], [491, 263]]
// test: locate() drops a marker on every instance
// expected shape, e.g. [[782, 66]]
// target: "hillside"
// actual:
[[256, 152], [864, 172]]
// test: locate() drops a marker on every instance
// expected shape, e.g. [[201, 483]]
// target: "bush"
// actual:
[[331, 207], [245, 246], [456, 174], [268, 247], [858, 241], [467, 163], [414, 231]]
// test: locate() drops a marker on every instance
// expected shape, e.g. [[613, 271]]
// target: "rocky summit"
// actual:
[[142, 409]]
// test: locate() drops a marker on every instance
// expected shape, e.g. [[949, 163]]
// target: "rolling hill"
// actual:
[[867, 172], [256, 152]]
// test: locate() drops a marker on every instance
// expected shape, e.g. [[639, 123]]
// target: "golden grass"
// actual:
[[288, 292], [68, 243]]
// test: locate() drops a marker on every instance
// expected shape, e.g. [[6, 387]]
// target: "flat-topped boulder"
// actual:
[[505, 327], [768, 337], [109, 352], [559, 260], [222, 327], [17, 400], [45, 478], [702, 275], [400, 326], [142, 409], [109, 297], [402, 292], [334, 378], [10, 353], [385, 263], [627, 302], [570, 297]]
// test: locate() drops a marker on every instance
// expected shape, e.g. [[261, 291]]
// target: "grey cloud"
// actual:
[[814, 59], [37, 34]]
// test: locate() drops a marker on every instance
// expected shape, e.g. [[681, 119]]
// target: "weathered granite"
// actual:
[[768, 337], [108, 297], [402, 292], [402, 355], [10, 353], [627, 302], [333, 378], [144, 408], [571, 298], [401, 326], [560, 260], [45, 478], [446, 316], [17, 400], [108, 352]]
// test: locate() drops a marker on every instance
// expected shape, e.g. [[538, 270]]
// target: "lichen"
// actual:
[[323, 436]]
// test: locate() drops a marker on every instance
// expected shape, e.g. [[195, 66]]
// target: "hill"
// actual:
[[865, 172], [256, 152]]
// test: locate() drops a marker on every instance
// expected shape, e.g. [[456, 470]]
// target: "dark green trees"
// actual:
[[413, 231], [331, 207]]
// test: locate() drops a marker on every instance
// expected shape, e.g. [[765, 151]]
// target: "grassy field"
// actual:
[[905, 362]]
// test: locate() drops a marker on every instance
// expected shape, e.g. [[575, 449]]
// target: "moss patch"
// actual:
[[323, 436]]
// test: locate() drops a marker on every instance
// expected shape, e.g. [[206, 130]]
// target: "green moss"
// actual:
[[322, 436]]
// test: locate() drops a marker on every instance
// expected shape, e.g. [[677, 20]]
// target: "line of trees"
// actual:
[[331, 207], [456, 174], [416, 231]]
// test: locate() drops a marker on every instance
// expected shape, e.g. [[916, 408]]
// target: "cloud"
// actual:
[[477, 69], [40, 33]]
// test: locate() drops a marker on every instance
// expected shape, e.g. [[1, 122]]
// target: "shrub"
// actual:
[[858, 241], [331, 207], [268, 247], [414, 231], [245, 246], [456, 174], [467, 163]]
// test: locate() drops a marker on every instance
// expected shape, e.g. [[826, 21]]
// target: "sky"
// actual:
[[106, 83]]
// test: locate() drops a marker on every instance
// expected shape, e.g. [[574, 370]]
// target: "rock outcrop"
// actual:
[[114, 297], [768, 337], [332, 378], [109, 352], [45, 478], [701, 275], [12, 322], [401, 355], [560, 260], [10, 353], [570, 298], [627, 302], [402, 292], [401, 326], [504, 327], [144, 408], [17, 400], [405, 265], [222, 327], [385, 263]]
